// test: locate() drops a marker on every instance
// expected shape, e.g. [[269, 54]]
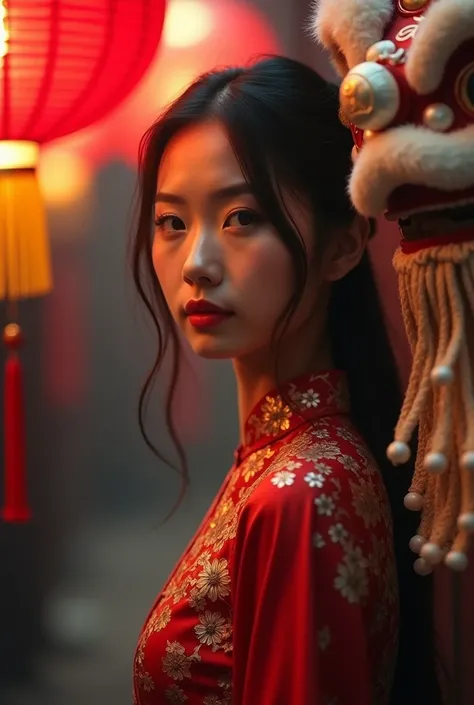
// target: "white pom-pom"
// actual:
[[413, 501], [466, 522], [432, 553], [422, 567], [441, 375], [467, 460], [436, 463], [398, 453], [416, 543], [456, 561]]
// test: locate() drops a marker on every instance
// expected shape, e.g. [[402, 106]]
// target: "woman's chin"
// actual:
[[219, 344], [213, 349]]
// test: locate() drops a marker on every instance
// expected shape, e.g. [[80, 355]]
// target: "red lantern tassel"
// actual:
[[15, 508]]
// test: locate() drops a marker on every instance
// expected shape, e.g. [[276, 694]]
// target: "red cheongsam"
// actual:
[[287, 593]]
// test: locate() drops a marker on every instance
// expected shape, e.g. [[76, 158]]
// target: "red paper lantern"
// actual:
[[63, 66], [199, 35], [67, 64]]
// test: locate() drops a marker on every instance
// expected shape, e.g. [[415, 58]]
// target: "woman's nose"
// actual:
[[203, 266]]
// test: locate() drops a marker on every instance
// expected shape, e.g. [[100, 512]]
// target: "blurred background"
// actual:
[[77, 582]]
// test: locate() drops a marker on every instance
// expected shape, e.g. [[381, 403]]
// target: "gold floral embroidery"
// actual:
[[181, 590], [346, 434], [226, 687], [223, 526], [213, 629], [365, 501], [224, 699], [175, 695], [144, 681], [255, 462], [196, 600], [352, 580], [214, 580], [273, 417], [322, 450], [176, 664], [159, 619], [350, 463], [321, 433]]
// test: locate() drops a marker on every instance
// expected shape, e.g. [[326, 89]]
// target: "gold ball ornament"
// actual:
[[369, 135], [12, 336], [369, 96], [413, 5]]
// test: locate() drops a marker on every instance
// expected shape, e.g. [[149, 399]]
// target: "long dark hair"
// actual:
[[282, 122]]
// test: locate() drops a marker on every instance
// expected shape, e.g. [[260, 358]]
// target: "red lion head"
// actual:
[[408, 96]]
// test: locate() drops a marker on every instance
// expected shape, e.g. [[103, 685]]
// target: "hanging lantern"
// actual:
[[198, 35], [63, 66]]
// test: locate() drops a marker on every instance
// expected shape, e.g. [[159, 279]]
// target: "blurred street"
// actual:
[[127, 565]]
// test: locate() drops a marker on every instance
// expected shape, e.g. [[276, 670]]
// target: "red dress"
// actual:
[[287, 593]]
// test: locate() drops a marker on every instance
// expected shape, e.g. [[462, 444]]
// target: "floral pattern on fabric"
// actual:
[[304, 499]]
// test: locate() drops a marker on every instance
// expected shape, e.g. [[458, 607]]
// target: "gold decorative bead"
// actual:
[[356, 97], [12, 335], [412, 5], [369, 96], [369, 135]]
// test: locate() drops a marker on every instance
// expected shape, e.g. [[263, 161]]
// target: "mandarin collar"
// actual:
[[303, 399]]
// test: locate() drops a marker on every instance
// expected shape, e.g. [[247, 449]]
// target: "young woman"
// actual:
[[295, 590]]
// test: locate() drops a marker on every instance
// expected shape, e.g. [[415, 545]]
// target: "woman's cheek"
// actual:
[[267, 267]]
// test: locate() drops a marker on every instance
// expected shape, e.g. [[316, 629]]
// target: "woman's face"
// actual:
[[224, 272]]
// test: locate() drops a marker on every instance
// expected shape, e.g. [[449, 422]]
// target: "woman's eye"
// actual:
[[242, 218], [170, 223]]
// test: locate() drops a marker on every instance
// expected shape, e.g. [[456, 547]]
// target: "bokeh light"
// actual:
[[65, 176]]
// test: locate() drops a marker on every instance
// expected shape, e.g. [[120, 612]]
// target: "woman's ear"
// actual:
[[347, 245]]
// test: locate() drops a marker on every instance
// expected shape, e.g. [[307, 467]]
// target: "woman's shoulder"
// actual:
[[327, 467]]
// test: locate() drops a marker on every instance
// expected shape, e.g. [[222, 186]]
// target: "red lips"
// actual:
[[204, 314], [201, 306]]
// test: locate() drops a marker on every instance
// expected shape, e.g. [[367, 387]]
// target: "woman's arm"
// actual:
[[302, 581]]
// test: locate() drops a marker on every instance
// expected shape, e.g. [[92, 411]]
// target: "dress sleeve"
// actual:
[[299, 585]]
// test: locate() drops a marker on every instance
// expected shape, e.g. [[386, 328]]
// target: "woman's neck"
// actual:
[[255, 373]]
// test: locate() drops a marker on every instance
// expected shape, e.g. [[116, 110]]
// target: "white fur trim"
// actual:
[[349, 27], [446, 24], [410, 155]]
